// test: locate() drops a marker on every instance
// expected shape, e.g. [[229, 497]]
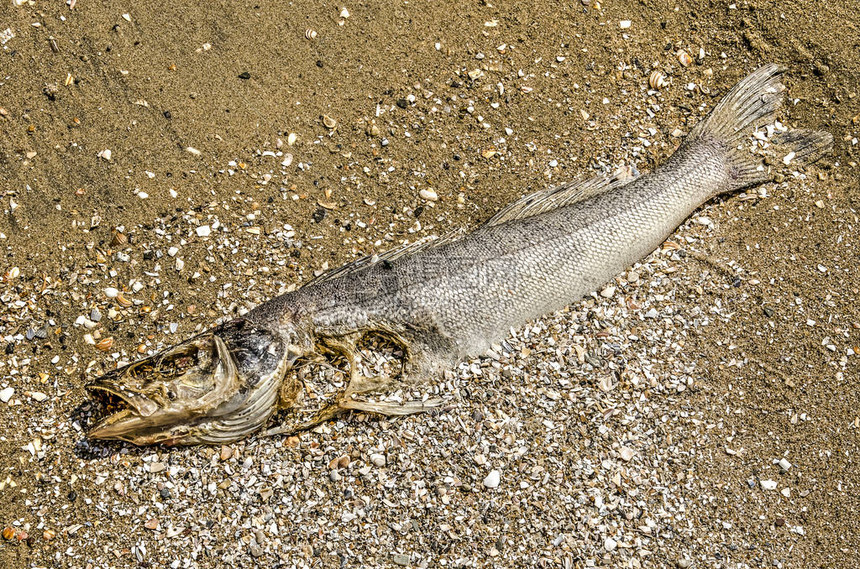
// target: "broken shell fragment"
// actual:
[[310, 34], [329, 122], [684, 58], [657, 80]]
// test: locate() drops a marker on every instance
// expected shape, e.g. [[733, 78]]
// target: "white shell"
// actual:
[[657, 80]]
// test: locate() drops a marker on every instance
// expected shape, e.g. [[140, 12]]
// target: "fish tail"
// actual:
[[751, 104]]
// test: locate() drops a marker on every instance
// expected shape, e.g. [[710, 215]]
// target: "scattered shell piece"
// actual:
[[657, 79], [624, 24], [6, 394], [105, 154], [626, 454], [310, 34], [192, 150], [344, 13], [111, 292], [105, 344], [684, 58], [329, 122], [610, 544], [291, 138], [768, 484], [784, 464], [493, 479], [428, 194], [203, 231]]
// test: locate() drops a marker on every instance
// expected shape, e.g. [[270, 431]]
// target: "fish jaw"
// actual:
[[214, 388]]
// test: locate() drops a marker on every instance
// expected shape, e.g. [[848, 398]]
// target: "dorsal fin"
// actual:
[[563, 195], [369, 260]]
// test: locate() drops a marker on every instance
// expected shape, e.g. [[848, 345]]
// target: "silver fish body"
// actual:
[[444, 300]]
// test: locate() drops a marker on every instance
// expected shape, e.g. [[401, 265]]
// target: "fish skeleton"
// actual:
[[443, 300]]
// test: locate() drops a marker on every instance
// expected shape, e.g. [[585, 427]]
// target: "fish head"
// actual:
[[214, 388]]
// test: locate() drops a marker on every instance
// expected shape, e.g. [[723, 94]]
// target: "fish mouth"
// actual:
[[124, 410], [217, 386], [151, 401]]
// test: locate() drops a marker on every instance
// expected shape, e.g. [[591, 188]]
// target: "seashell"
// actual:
[[118, 238], [105, 344], [684, 58], [122, 300], [329, 122], [310, 34], [657, 80]]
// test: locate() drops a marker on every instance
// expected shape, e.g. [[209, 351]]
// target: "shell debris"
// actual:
[[657, 79]]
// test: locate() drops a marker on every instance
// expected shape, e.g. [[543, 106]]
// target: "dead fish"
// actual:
[[443, 300]]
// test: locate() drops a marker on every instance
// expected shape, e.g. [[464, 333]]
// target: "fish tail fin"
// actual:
[[753, 103]]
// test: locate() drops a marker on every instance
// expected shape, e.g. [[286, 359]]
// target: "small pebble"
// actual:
[[6, 394], [610, 544], [429, 195], [493, 479]]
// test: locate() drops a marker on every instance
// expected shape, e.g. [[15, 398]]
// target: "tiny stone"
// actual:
[[784, 464], [624, 24], [610, 544], [111, 292], [400, 559], [7, 394], [768, 484], [203, 231], [429, 195], [608, 292], [626, 454], [156, 466], [226, 453], [493, 479], [377, 459]]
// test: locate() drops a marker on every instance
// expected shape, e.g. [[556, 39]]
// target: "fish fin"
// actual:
[[389, 256], [807, 145], [560, 196], [750, 104]]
